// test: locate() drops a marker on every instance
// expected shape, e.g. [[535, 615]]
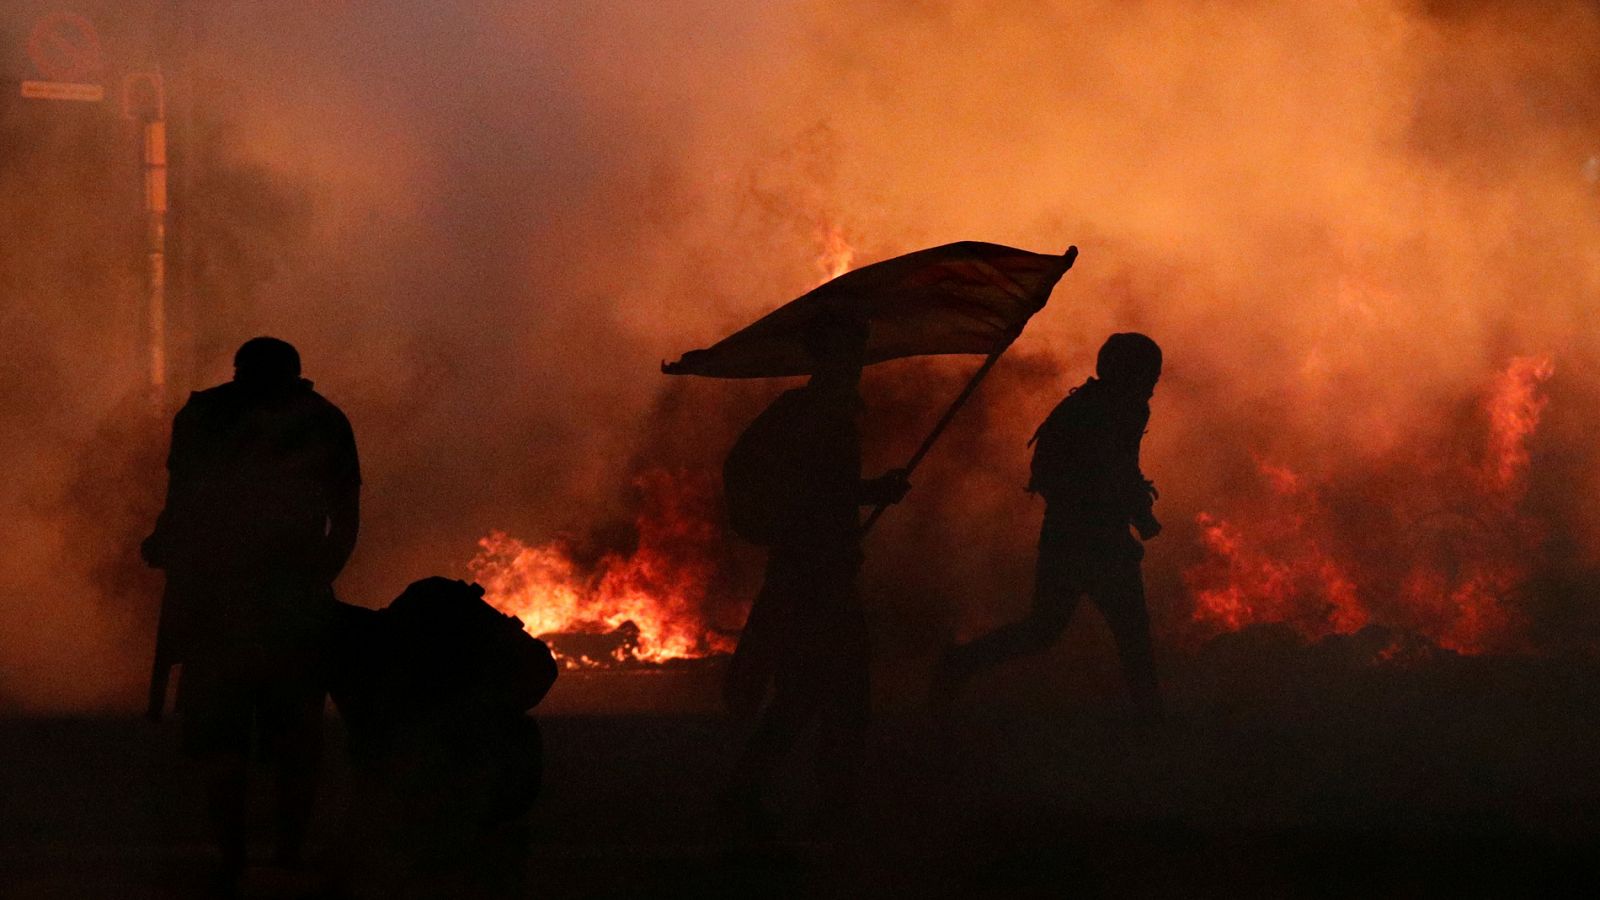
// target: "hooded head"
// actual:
[[1129, 362], [266, 363]]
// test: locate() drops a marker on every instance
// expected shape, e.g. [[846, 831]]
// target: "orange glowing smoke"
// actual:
[[1446, 574], [661, 585]]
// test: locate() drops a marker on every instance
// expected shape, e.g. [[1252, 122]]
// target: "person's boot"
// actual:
[[225, 800]]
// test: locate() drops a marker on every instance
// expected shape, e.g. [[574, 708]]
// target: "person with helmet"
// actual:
[[1086, 467]]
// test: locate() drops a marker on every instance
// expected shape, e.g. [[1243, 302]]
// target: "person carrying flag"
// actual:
[[794, 483]]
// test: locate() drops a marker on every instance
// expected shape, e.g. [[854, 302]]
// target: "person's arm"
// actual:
[[1141, 490], [344, 522], [885, 490], [344, 501], [156, 550], [1144, 520]]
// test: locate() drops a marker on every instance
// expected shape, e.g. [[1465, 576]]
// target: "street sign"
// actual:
[[63, 90], [65, 48]]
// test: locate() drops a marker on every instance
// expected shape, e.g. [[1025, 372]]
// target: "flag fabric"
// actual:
[[967, 297]]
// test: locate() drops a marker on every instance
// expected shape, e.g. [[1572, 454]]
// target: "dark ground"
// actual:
[[1285, 771]]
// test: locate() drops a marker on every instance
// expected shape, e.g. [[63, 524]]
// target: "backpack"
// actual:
[[1056, 447], [757, 478], [437, 646]]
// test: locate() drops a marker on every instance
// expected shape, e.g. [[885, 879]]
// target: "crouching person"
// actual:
[[435, 690]]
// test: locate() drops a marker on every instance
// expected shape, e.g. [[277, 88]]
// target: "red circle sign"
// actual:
[[64, 47]]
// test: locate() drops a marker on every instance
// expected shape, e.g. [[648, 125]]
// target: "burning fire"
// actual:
[[1514, 407], [836, 254], [1442, 561], [1447, 574], [646, 604]]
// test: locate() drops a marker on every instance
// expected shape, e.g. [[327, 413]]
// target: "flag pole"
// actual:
[[964, 396], [944, 422]]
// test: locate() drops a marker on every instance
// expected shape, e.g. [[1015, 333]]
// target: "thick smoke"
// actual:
[[485, 223]]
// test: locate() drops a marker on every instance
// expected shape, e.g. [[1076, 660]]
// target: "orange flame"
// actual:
[[1514, 407], [661, 585], [836, 255], [1290, 579], [1450, 573]]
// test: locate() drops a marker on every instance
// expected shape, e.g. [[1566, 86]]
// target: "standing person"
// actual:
[[794, 483], [261, 515], [1086, 466]]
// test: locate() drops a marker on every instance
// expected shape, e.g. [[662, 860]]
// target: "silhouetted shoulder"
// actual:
[[198, 424], [337, 431], [327, 415], [782, 420], [320, 401], [222, 393], [202, 404]]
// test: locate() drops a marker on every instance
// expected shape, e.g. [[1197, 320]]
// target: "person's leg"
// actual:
[[218, 710], [225, 783], [1121, 599], [296, 736], [1056, 590], [755, 660], [844, 675], [795, 702]]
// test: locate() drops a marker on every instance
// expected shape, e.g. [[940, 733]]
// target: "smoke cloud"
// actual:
[[485, 223]]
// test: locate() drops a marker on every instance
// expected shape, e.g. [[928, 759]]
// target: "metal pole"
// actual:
[[178, 36], [1071, 257], [155, 182], [151, 112], [944, 422]]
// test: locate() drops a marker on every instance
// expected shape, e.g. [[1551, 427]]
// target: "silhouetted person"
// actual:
[[794, 480], [1086, 466], [434, 690], [261, 516]]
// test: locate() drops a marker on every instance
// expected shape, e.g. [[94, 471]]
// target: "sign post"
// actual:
[[63, 90], [144, 100], [66, 52]]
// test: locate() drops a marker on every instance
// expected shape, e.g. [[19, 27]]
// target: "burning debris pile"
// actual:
[[648, 604], [1442, 554], [1428, 547]]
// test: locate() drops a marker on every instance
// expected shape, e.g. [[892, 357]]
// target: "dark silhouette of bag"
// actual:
[[1057, 447], [437, 649], [758, 476]]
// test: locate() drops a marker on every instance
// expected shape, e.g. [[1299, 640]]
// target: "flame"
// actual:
[[1447, 575], [1290, 577], [836, 255], [660, 586], [1514, 407]]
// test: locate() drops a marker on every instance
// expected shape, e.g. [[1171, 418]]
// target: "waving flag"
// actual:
[[967, 297]]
